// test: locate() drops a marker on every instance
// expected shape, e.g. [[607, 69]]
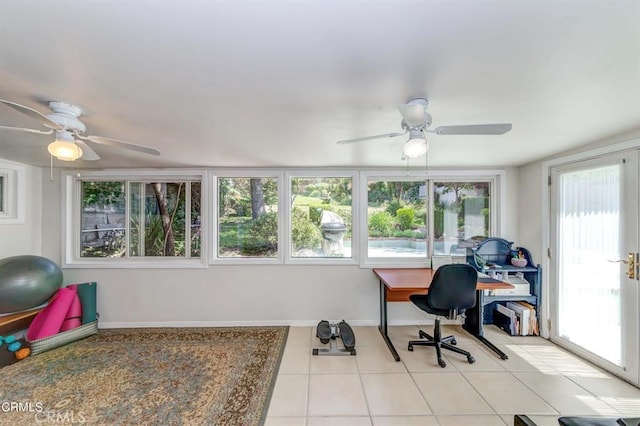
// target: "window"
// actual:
[[135, 219], [396, 218], [247, 210], [2, 192], [160, 221], [138, 218], [321, 210], [12, 193], [103, 229], [461, 214]]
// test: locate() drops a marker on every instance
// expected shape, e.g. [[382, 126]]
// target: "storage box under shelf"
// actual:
[[521, 287]]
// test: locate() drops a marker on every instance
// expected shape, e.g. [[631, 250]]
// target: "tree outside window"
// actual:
[[247, 217], [163, 219]]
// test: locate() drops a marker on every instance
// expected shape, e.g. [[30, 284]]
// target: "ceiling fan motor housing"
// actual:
[[426, 122], [66, 115]]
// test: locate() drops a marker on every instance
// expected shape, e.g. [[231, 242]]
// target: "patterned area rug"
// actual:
[[204, 376]]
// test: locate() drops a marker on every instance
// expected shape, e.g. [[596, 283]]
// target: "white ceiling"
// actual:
[[277, 83]]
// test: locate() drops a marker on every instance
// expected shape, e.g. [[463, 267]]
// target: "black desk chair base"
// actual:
[[440, 343]]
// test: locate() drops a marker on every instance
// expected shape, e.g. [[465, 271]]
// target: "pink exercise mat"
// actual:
[[49, 320]]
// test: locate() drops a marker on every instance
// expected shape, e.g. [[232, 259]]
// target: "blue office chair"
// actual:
[[452, 291]]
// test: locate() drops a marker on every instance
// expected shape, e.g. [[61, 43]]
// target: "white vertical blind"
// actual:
[[589, 215]]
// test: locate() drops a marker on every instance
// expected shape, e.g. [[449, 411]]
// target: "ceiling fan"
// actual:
[[69, 143], [416, 121]]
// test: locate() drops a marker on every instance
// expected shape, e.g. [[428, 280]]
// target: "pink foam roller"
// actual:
[[50, 319], [72, 320]]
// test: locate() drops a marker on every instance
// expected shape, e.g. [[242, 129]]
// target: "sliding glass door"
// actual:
[[594, 298]]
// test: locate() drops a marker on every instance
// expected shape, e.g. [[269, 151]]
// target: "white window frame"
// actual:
[[13, 193], [72, 198], [355, 217], [368, 262], [209, 191], [213, 208], [498, 199]]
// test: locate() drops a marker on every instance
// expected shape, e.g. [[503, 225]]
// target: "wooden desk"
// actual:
[[397, 284]]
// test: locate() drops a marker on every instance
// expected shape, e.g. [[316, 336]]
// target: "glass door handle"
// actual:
[[631, 264]]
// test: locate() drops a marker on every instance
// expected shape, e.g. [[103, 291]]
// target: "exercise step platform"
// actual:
[[329, 333]]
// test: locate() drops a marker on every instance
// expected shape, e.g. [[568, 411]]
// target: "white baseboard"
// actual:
[[296, 323]]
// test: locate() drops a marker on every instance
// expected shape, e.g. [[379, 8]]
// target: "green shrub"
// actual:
[[405, 216], [409, 234], [380, 224], [345, 213], [263, 233], [393, 207], [315, 213], [255, 247], [304, 233]]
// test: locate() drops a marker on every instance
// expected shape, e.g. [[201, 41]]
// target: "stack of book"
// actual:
[[517, 318]]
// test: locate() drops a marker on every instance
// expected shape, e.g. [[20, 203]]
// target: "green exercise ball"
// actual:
[[26, 282]]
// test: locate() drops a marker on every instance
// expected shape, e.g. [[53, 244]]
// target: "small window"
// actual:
[[396, 219], [2, 192], [103, 230], [462, 215], [158, 219], [321, 212], [247, 217], [12, 193]]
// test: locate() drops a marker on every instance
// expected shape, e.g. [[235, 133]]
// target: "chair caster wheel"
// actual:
[[324, 341], [410, 348], [454, 342], [442, 363], [471, 359]]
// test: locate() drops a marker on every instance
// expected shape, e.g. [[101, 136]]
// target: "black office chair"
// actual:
[[452, 291]]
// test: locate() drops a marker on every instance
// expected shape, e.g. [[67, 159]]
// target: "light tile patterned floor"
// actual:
[[539, 379]]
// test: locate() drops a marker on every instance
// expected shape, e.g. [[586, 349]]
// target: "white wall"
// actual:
[[530, 214], [511, 223], [25, 238], [531, 184], [219, 295]]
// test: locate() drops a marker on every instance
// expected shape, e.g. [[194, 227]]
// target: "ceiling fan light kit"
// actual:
[[69, 132], [416, 121], [416, 146], [65, 151]]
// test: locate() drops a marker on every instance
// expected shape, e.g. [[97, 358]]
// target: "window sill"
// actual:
[[156, 263]]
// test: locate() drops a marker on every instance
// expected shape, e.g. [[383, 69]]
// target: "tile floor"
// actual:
[[539, 379]]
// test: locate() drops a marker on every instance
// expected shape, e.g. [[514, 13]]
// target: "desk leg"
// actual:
[[383, 321], [474, 321]]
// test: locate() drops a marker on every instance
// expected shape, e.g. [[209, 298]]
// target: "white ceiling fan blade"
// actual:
[[88, 154], [120, 144], [414, 112], [43, 119], [21, 129], [473, 129], [368, 138]]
